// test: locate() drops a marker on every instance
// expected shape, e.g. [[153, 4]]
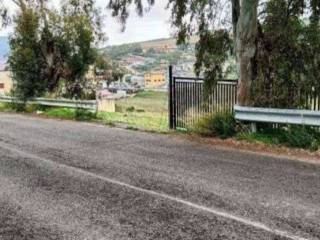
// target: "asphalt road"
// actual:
[[68, 180]]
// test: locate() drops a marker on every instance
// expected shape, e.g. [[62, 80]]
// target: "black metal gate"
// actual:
[[188, 103]]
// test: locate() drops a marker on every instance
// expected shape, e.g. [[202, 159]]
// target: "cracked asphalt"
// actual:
[[71, 180]]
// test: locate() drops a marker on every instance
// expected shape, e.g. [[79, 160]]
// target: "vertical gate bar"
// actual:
[[203, 99], [174, 115], [219, 98], [235, 88], [192, 103], [188, 106], [226, 97], [215, 98], [211, 101], [185, 89], [195, 101], [199, 101], [171, 126], [178, 104], [230, 97], [223, 97], [182, 102]]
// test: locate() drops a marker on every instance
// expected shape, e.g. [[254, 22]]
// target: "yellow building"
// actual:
[[154, 79], [5, 82]]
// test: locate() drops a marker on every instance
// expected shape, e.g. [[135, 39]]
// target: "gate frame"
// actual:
[[172, 96], [172, 93]]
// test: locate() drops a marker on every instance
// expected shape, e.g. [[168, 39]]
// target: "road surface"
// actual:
[[69, 180]]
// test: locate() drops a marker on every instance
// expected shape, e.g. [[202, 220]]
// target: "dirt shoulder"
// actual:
[[229, 144], [257, 148]]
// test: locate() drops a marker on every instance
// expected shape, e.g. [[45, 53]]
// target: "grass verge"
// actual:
[[223, 125], [145, 111]]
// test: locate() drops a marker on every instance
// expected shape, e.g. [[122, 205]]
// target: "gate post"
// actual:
[[171, 108]]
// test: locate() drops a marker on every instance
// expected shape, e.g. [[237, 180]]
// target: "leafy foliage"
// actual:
[[212, 51], [26, 61], [221, 124], [283, 57], [291, 136], [4, 18], [288, 55], [109, 69], [51, 46]]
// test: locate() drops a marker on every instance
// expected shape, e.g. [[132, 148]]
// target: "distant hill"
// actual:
[[4, 51], [151, 43], [162, 45], [170, 42]]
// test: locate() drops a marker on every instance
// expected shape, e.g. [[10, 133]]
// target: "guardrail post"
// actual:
[[253, 126]]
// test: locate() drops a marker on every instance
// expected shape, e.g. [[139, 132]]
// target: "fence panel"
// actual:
[[189, 103]]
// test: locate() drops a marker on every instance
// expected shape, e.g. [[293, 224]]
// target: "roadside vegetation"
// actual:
[[287, 135], [223, 125], [60, 113], [146, 111]]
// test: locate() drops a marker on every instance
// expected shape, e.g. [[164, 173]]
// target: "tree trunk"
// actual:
[[246, 44], [235, 17]]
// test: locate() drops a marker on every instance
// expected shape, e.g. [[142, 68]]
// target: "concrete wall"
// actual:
[[107, 105], [5, 82]]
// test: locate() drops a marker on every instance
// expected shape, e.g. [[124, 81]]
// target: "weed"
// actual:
[[84, 115], [221, 124], [289, 135], [130, 109]]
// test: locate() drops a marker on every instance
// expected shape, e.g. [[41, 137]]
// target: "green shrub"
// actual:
[[42, 108], [291, 136], [84, 115], [6, 107], [130, 109], [219, 124], [303, 137], [119, 108], [62, 113], [141, 110], [31, 108]]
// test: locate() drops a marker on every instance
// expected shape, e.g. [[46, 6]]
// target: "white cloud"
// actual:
[[154, 24]]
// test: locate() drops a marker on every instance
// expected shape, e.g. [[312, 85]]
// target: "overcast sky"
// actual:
[[155, 24]]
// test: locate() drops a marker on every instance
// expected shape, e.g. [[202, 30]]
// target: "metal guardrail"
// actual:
[[281, 116], [66, 103]]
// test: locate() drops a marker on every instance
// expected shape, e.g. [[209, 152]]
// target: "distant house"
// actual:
[[138, 80], [154, 79], [6, 83]]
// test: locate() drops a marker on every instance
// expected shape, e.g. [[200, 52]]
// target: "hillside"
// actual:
[[162, 42], [145, 45]]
